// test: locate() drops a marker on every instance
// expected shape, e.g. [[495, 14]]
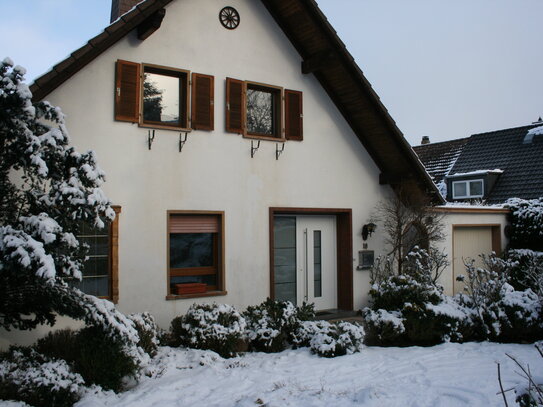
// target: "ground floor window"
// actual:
[[195, 253], [100, 270]]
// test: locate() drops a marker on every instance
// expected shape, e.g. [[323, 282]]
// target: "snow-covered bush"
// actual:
[[216, 327], [148, 331], [271, 325], [526, 223], [410, 308], [526, 270], [93, 354], [328, 339], [499, 312], [383, 327], [35, 379]]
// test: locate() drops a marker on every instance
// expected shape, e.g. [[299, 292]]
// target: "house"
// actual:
[[245, 152], [490, 167]]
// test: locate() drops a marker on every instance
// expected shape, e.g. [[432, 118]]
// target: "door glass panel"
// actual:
[[285, 258], [317, 263]]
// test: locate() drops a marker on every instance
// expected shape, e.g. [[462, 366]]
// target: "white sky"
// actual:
[[446, 69]]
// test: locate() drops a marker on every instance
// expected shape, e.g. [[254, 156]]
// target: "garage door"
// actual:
[[468, 243]]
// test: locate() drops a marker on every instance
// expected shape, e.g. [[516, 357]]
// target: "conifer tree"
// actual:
[[47, 189]]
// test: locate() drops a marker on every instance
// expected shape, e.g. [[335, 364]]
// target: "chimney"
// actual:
[[119, 7], [425, 140]]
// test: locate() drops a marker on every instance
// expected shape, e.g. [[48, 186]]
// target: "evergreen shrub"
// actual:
[[329, 339], [26, 375], [272, 324], [216, 327], [97, 357]]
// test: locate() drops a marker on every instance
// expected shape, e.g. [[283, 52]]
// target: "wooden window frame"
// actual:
[[113, 258], [184, 96], [219, 254], [468, 182], [278, 95]]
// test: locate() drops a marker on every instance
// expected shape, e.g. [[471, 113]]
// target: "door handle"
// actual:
[[306, 266]]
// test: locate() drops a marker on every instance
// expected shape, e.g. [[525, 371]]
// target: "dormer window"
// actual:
[[468, 189]]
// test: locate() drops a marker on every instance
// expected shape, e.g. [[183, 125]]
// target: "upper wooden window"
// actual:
[[259, 111], [195, 251], [163, 97]]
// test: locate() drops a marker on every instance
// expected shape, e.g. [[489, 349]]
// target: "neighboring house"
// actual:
[[485, 168], [490, 167]]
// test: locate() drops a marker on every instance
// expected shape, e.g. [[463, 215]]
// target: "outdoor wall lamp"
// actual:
[[367, 230]]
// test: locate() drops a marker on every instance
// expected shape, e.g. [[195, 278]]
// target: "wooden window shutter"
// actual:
[[194, 224], [127, 91], [202, 115], [235, 110], [293, 115]]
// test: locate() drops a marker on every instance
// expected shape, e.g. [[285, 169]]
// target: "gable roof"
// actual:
[[522, 163], [439, 158], [324, 55]]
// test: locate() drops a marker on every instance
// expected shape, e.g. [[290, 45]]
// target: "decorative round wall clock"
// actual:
[[229, 17]]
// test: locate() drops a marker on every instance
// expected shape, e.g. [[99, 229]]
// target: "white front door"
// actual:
[[305, 260]]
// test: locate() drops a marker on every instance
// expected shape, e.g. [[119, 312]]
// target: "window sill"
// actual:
[[270, 138], [171, 297], [164, 127]]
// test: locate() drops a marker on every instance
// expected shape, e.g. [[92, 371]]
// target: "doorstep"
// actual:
[[337, 315]]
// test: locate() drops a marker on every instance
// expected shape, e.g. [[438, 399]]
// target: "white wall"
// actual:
[[329, 169], [461, 216]]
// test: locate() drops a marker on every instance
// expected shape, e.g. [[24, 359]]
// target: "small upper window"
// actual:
[[263, 111], [468, 189], [164, 97]]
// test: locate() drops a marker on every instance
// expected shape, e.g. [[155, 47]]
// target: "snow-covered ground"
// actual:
[[446, 375]]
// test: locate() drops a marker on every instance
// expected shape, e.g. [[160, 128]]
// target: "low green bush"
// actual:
[[28, 376], [272, 324], [97, 357], [216, 327], [329, 339], [384, 328]]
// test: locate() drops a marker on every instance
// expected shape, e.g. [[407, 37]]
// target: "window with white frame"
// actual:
[[468, 189]]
